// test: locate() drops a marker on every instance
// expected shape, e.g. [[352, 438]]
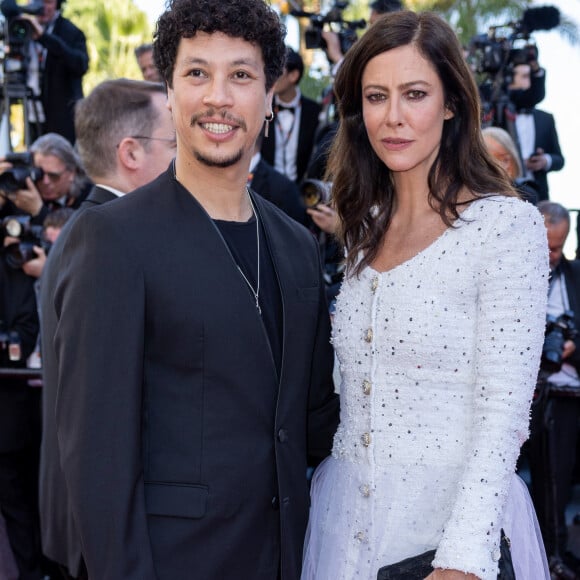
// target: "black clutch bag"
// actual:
[[419, 567]]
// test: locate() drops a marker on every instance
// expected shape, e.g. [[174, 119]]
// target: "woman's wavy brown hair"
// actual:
[[363, 190]]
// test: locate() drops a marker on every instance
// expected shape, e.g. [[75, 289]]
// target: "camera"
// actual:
[[314, 191], [17, 34], [346, 29], [14, 178], [18, 253], [494, 55], [559, 329]]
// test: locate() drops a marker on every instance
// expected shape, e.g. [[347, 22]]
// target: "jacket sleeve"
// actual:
[[511, 307], [72, 53], [323, 402], [100, 307]]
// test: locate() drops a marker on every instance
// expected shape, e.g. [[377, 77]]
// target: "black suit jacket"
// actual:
[[547, 139], [184, 454], [60, 540], [18, 312], [67, 60], [306, 137], [278, 189], [571, 272]]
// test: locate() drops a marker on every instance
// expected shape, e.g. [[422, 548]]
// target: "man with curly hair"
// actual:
[[194, 363]]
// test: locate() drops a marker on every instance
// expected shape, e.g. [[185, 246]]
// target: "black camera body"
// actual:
[[23, 167], [346, 32], [28, 235], [559, 329], [17, 35], [494, 55]]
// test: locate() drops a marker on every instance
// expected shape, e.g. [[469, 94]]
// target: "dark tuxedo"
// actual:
[[306, 137], [66, 62], [184, 452], [279, 190], [562, 413], [19, 425], [546, 139], [60, 540]]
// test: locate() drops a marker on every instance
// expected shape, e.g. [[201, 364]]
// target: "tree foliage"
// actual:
[[113, 31]]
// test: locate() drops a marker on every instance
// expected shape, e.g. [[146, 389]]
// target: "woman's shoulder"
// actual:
[[501, 209]]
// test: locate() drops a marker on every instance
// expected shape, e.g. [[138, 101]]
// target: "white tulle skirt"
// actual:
[[343, 543]]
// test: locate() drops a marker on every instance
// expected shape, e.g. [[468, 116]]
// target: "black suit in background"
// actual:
[[279, 190], [60, 539], [19, 426], [306, 138], [65, 63], [184, 452], [546, 139], [565, 413]]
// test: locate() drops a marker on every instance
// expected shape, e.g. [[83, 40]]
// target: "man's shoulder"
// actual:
[[65, 26], [573, 267], [310, 104]]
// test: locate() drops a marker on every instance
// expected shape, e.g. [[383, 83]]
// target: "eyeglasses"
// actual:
[[53, 175], [164, 139]]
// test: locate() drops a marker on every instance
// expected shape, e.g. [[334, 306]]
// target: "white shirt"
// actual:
[[287, 127]]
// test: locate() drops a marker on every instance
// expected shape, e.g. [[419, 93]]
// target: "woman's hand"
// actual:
[[441, 574]]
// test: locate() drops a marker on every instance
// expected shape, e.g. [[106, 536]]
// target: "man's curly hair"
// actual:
[[252, 20]]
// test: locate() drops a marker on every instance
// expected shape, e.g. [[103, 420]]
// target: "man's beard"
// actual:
[[222, 163]]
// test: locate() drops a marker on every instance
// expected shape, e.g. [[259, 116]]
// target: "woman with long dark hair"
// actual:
[[439, 324]]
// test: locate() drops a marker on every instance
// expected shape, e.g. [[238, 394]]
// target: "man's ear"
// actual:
[[130, 152]]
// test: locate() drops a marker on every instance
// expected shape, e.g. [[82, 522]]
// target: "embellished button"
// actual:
[[361, 537], [365, 490], [375, 283], [366, 439], [366, 386], [369, 335]]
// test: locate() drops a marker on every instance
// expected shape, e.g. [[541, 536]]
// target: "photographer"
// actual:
[[60, 49], [334, 50], [555, 413], [62, 182], [535, 129], [19, 422]]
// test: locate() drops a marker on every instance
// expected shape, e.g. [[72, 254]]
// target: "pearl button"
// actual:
[[366, 387]]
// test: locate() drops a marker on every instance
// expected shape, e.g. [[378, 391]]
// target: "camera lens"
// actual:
[[18, 254]]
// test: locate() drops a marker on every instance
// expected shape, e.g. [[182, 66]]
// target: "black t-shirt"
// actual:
[[240, 238]]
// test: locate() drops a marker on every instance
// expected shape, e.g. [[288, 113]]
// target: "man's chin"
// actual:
[[219, 161]]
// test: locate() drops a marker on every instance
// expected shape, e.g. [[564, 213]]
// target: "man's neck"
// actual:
[[222, 192], [288, 95]]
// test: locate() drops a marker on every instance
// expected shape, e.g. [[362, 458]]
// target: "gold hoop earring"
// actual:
[[269, 119]]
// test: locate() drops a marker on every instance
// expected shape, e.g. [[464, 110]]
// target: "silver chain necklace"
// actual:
[[255, 292]]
